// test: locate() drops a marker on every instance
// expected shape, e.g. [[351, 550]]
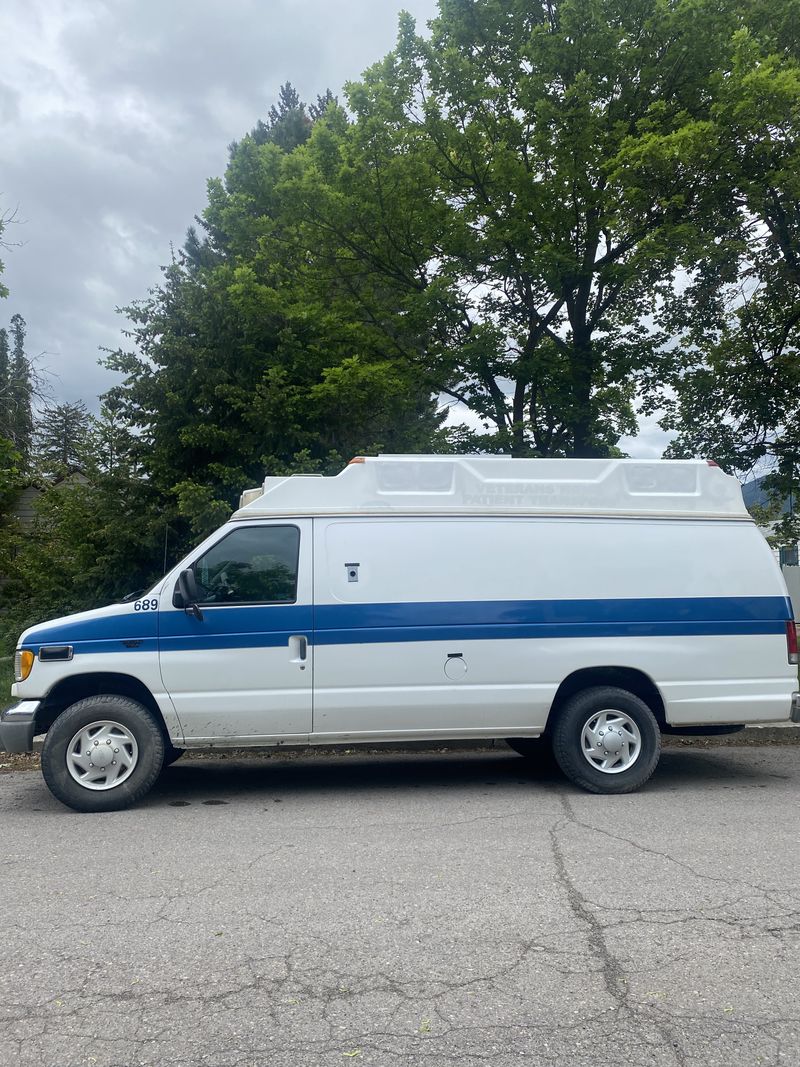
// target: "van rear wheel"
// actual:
[[606, 740], [102, 754]]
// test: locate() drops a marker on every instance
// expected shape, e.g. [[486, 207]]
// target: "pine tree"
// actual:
[[20, 390], [60, 436], [5, 386], [288, 124], [4, 219], [316, 111]]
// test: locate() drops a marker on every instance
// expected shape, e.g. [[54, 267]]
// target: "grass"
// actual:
[[6, 678]]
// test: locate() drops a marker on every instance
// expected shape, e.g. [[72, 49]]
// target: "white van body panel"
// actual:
[[603, 583]]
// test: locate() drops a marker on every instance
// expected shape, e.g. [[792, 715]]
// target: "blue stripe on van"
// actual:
[[235, 627], [514, 619], [333, 624], [221, 627], [127, 632]]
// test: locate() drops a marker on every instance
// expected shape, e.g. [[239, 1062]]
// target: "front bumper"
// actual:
[[17, 726], [795, 707]]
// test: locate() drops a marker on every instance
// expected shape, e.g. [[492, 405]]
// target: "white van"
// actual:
[[596, 602]]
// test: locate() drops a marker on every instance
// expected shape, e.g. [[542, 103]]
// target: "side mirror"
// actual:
[[188, 594]]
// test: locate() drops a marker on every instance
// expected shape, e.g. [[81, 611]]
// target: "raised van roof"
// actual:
[[499, 485]]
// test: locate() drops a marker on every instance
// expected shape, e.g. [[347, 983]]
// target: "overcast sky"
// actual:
[[113, 113]]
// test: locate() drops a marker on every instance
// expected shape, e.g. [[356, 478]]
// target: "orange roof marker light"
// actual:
[[357, 459]]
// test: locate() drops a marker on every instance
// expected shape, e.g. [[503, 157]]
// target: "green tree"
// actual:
[[3, 221], [10, 477], [735, 388], [5, 386], [246, 363], [230, 380], [288, 122], [93, 540], [323, 102], [9, 457], [20, 391], [288, 125], [60, 436], [495, 182], [109, 442]]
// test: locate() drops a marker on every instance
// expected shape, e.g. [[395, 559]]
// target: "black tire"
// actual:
[[136, 719], [171, 754], [575, 716]]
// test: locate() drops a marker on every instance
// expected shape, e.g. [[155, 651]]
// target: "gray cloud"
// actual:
[[650, 442], [112, 117], [9, 103]]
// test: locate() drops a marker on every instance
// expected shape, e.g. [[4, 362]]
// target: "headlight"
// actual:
[[23, 664]]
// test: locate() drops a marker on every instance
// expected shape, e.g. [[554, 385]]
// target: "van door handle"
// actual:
[[298, 650]]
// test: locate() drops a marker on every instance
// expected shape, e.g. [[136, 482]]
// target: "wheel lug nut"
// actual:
[[116, 750]]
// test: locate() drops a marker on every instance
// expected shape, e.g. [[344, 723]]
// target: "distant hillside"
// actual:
[[754, 494]]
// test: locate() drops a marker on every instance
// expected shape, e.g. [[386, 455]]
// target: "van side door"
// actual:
[[243, 671], [420, 629]]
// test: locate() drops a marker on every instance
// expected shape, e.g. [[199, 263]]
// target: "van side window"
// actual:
[[254, 565]]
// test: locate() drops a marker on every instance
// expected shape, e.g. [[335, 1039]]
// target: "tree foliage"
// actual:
[[497, 211], [736, 380], [243, 366], [10, 477], [5, 387], [288, 122], [16, 389], [95, 538], [3, 220], [60, 437]]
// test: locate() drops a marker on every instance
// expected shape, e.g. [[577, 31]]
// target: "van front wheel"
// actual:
[[606, 740], [102, 754]]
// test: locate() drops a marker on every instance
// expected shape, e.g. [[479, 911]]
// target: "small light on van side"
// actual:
[[791, 641]]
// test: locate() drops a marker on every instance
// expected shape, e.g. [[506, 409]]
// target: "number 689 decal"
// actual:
[[146, 605]]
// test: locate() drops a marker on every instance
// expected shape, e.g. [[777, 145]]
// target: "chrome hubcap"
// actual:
[[102, 755], [611, 741]]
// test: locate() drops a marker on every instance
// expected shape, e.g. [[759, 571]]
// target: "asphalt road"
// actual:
[[407, 911]]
